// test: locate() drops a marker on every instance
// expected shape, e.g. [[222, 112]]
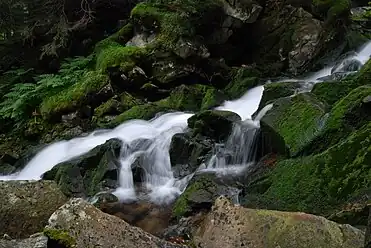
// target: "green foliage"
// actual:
[[74, 96], [23, 98]]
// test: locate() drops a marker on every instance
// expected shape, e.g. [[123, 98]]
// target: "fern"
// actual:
[[23, 98]]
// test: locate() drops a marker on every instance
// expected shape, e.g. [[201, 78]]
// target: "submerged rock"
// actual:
[[27, 205], [232, 226], [83, 225], [90, 173]]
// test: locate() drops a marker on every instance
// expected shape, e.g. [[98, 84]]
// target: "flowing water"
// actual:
[[150, 141]]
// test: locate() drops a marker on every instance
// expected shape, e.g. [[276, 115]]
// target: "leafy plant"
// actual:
[[23, 98]]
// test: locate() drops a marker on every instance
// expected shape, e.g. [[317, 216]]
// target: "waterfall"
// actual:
[[149, 142]]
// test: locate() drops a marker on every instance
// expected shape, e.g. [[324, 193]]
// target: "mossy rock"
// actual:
[[213, 98], [241, 83], [188, 98], [296, 119], [273, 91], [364, 76], [332, 9], [318, 183], [199, 196], [144, 112], [82, 93], [347, 115], [90, 173], [59, 238], [117, 105], [215, 124], [332, 91], [174, 20]]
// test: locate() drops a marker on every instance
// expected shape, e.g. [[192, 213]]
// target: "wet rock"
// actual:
[[246, 11], [35, 241], [27, 205], [306, 38], [215, 124], [83, 225], [187, 153], [347, 65], [199, 196], [234, 226], [273, 91], [90, 173], [296, 119], [368, 231]]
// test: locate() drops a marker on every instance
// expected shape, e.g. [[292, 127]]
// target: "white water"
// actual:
[[149, 141], [362, 55]]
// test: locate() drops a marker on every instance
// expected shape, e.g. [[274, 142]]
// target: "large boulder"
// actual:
[[296, 119], [273, 91], [347, 115], [90, 173], [234, 226], [321, 183], [27, 205], [79, 224]]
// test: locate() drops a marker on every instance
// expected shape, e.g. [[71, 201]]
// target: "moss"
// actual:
[[348, 114], [321, 183], [188, 98], [364, 76], [60, 237], [74, 96], [124, 57], [333, 9], [213, 98], [173, 19], [145, 112], [297, 119]]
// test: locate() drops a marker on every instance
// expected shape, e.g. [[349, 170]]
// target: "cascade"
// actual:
[[149, 141]]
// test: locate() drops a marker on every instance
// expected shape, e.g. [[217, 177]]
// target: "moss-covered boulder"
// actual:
[[319, 183], [213, 98], [273, 91], [27, 205], [347, 115], [215, 124], [90, 173], [228, 225], [296, 119]]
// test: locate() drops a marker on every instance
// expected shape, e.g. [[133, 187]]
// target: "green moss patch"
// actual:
[[60, 238]]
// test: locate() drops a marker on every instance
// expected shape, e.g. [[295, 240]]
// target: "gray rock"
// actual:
[[247, 11], [35, 241], [87, 226], [230, 226], [27, 205]]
